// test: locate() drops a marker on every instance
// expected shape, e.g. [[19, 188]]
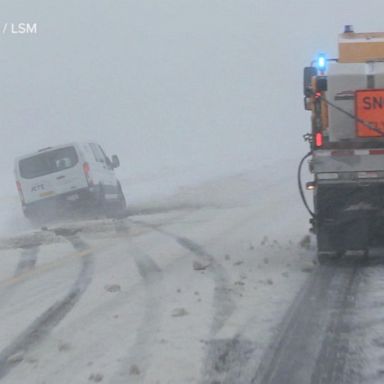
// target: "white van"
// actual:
[[70, 175]]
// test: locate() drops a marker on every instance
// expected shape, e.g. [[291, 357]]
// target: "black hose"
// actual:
[[352, 116], [301, 186]]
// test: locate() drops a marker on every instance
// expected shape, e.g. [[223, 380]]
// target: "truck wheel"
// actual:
[[328, 257], [327, 249]]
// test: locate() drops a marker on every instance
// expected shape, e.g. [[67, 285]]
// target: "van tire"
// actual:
[[121, 199], [113, 208], [36, 215], [101, 202], [118, 207]]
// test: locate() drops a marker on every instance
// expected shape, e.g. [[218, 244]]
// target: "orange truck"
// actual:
[[346, 98]]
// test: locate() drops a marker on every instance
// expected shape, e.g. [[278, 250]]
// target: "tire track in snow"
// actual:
[[222, 301], [331, 367], [228, 361], [26, 263], [13, 354], [145, 334], [220, 354], [28, 259], [367, 327], [312, 346]]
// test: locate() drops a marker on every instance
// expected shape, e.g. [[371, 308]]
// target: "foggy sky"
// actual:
[[166, 83]]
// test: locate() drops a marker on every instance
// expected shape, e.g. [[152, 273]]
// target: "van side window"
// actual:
[[99, 156]]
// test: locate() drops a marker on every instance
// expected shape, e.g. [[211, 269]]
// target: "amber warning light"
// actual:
[[369, 107]]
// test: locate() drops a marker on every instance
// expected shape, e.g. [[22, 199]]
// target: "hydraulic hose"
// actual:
[[301, 186], [350, 115]]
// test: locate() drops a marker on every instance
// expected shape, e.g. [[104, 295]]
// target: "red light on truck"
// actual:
[[376, 151], [319, 139]]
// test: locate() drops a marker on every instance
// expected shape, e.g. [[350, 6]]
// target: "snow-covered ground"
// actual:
[[202, 101], [159, 296]]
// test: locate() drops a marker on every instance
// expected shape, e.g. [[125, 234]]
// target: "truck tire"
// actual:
[[327, 250], [328, 257]]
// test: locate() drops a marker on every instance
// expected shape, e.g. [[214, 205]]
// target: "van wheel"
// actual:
[[112, 208], [36, 216], [118, 207], [101, 202], [31, 215], [122, 203]]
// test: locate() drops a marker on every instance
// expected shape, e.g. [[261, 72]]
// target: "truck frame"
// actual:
[[346, 157]]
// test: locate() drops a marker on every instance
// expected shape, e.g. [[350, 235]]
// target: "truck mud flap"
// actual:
[[354, 230]]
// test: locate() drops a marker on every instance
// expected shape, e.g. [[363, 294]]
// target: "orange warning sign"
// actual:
[[369, 107]]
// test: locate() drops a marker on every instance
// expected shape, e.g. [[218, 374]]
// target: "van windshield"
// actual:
[[48, 162]]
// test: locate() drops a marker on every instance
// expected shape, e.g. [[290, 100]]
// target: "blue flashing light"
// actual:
[[321, 62]]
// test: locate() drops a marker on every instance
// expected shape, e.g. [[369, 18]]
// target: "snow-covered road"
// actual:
[[200, 287]]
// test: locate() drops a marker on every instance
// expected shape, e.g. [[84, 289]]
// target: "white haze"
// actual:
[[181, 90]]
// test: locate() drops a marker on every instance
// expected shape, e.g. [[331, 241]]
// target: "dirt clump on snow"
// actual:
[[199, 266], [134, 370], [16, 357], [179, 312], [305, 242], [96, 377], [113, 288], [63, 346]]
